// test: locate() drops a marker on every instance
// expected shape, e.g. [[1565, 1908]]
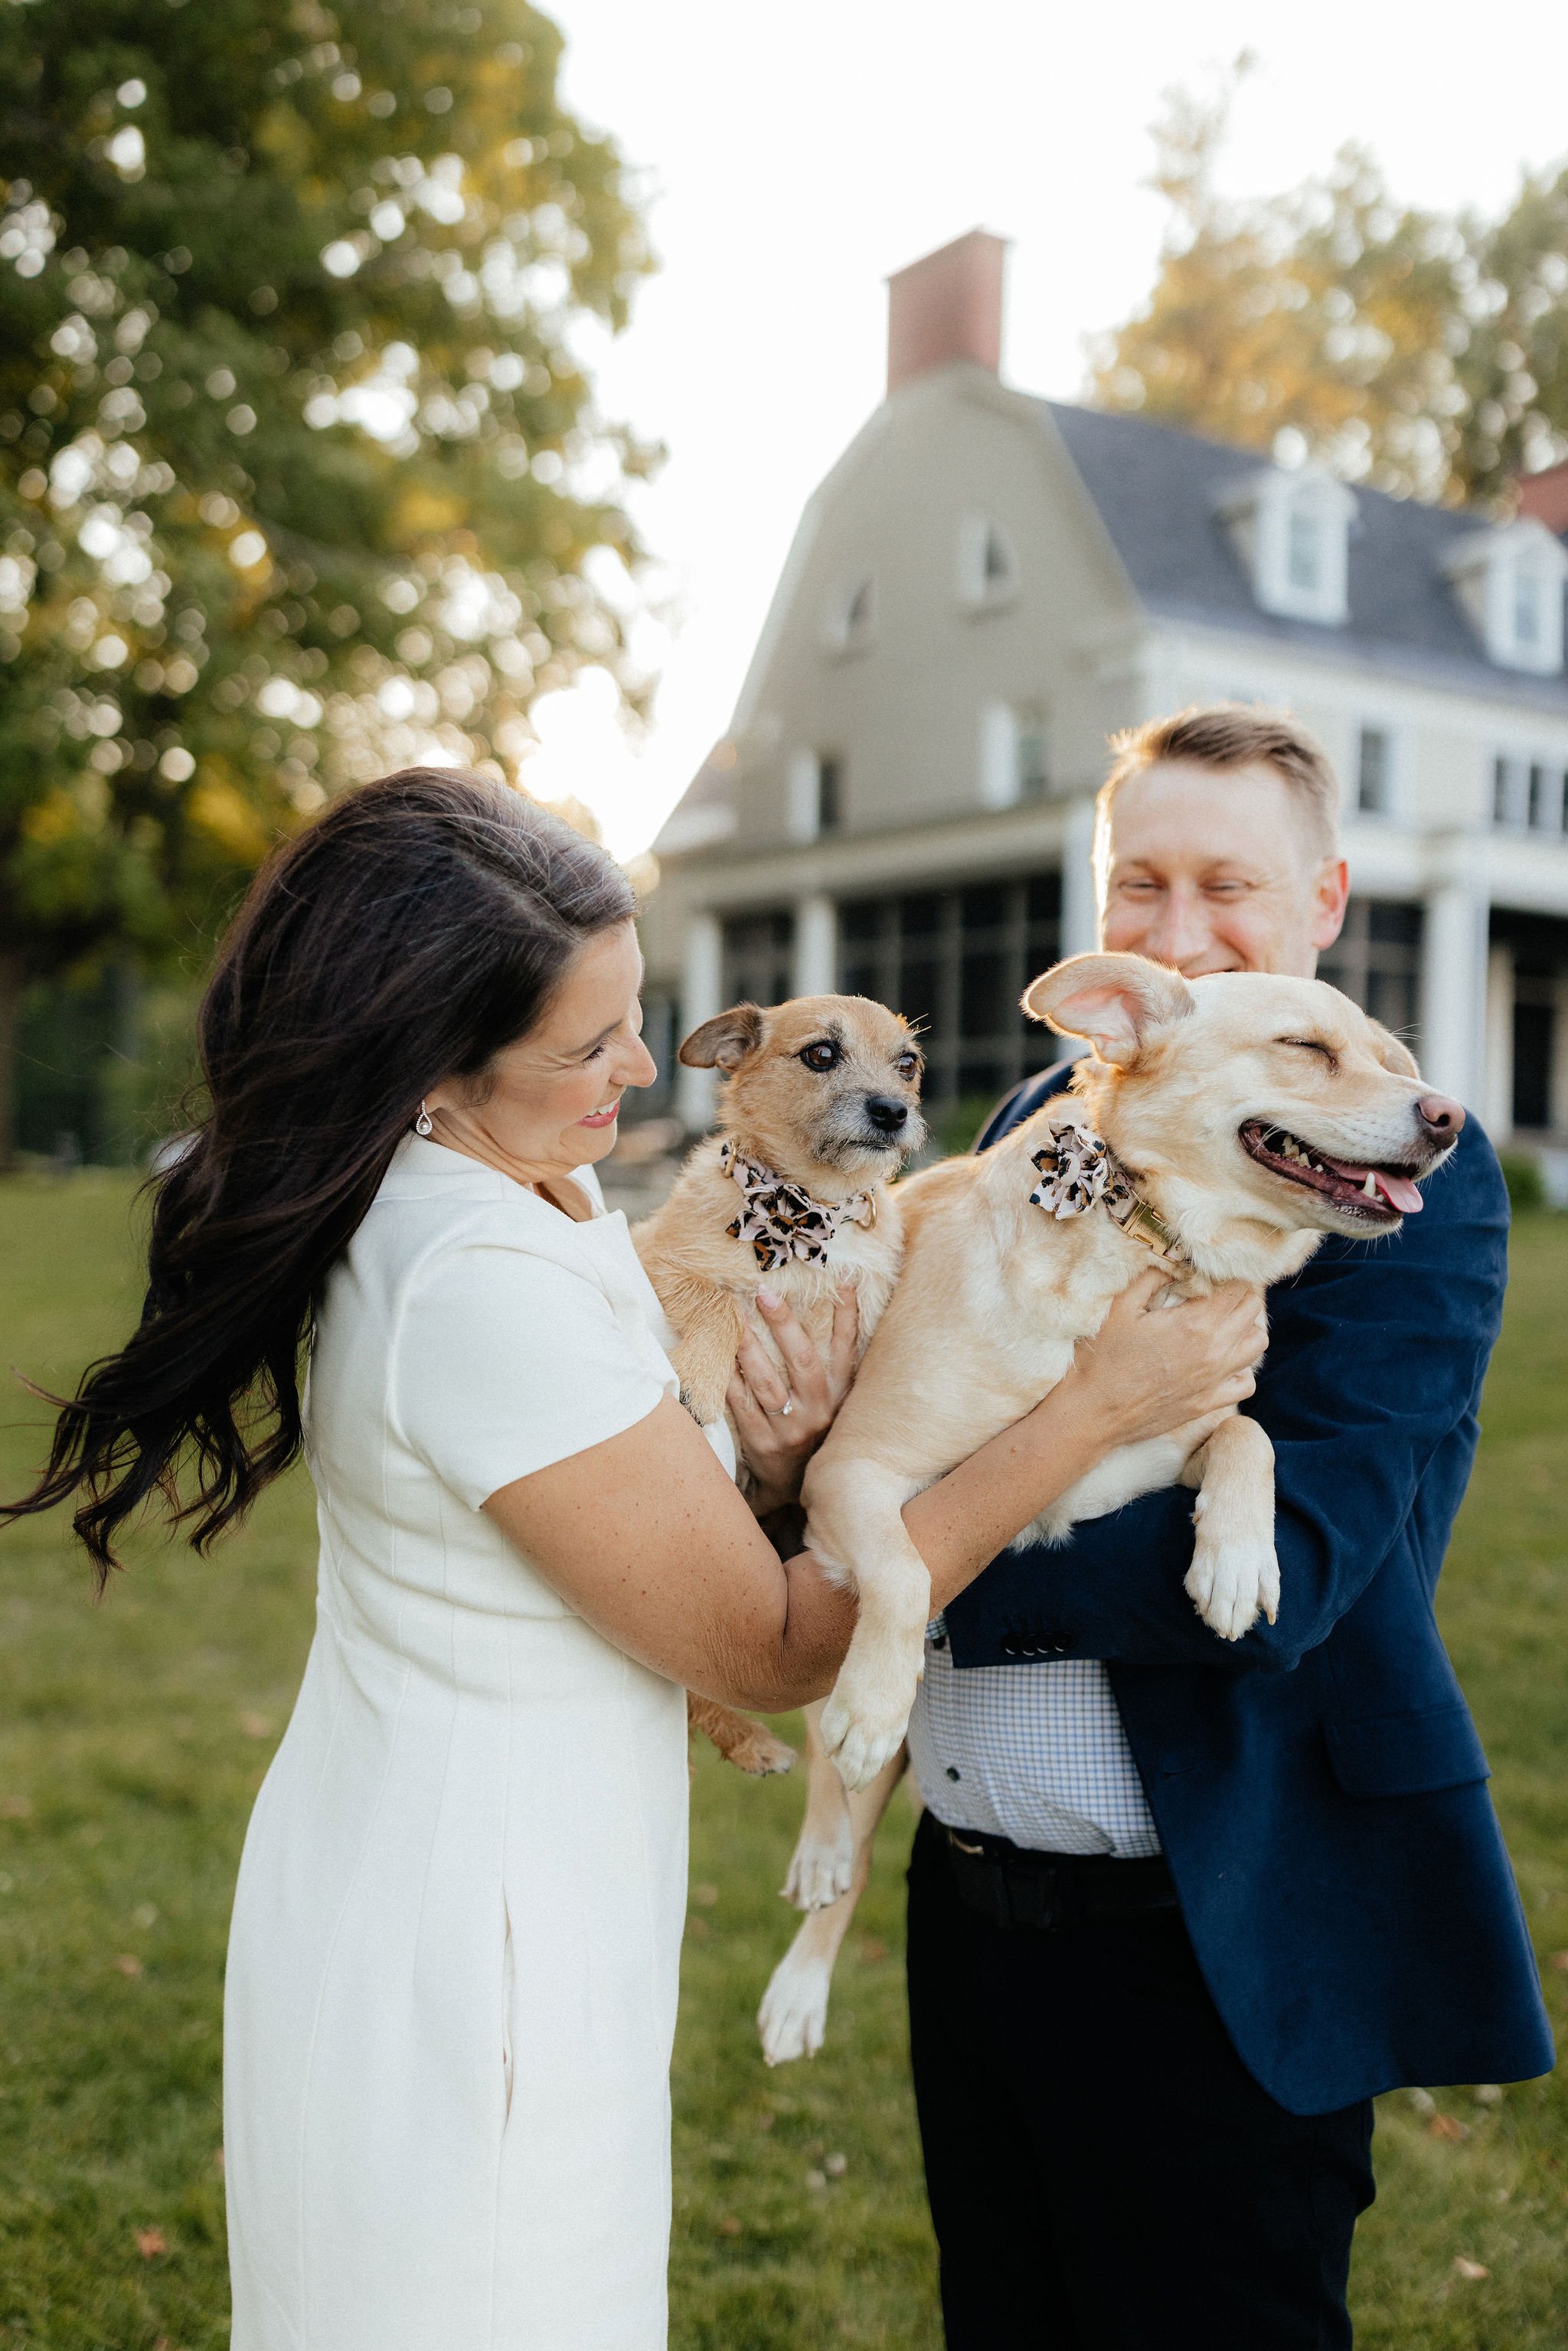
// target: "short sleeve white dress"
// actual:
[[452, 1965]]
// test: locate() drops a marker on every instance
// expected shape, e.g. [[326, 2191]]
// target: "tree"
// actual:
[[1425, 354], [300, 471]]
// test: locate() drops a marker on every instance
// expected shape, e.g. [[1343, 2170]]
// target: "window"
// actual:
[[1529, 606], [1509, 582], [1012, 754], [849, 620], [1534, 1043], [759, 957], [1291, 531], [1031, 761], [958, 961], [1303, 552], [1376, 961], [1530, 793], [1375, 773], [987, 564], [816, 794]]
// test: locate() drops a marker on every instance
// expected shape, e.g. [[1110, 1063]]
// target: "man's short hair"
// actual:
[[1224, 736]]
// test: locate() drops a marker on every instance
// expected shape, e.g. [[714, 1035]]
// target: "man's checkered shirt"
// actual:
[[1032, 1752]]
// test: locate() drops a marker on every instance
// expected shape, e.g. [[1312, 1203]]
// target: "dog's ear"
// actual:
[[1391, 1054], [724, 1042], [1115, 1000]]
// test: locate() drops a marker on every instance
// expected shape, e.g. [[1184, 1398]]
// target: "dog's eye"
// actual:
[[908, 1065], [1310, 1045], [824, 1056]]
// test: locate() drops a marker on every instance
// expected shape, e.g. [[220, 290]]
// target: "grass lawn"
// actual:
[[133, 1737]]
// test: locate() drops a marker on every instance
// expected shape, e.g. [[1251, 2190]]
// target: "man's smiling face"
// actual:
[[1216, 869]]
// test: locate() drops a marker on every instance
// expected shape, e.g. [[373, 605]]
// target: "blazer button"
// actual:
[[1058, 1645]]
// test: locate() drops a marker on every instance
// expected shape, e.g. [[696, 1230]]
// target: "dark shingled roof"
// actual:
[[1159, 493]]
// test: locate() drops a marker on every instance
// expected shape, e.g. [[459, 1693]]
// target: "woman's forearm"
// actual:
[[957, 1525]]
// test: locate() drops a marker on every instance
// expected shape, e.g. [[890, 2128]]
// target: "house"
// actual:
[[988, 585]]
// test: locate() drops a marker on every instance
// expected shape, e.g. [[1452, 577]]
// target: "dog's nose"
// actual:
[[1438, 1115], [889, 1115]]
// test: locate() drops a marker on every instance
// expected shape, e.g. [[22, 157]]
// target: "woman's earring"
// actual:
[[423, 1123]]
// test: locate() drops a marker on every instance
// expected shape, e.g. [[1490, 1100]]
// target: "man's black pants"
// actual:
[[1105, 2174]]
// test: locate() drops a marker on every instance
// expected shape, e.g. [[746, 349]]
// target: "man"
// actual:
[[1180, 1908]]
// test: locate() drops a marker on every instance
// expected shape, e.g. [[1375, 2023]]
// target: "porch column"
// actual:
[[1497, 1093], [1454, 990], [702, 987], [816, 946], [1080, 910]]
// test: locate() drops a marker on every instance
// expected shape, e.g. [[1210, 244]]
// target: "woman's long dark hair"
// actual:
[[419, 924]]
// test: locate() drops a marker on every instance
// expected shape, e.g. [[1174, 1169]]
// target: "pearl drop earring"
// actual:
[[423, 1123]]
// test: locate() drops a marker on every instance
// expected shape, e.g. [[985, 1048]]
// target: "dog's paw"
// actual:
[[1232, 1584], [793, 2016], [760, 1753], [864, 1723], [820, 1869]]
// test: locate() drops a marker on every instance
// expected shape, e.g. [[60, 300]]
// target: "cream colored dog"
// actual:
[[1225, 1123], [820, 1108]]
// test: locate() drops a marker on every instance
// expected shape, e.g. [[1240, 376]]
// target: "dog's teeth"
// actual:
[[1370, 1187]]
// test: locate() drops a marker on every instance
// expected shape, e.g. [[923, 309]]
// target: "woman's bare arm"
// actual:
[[653, 1545]]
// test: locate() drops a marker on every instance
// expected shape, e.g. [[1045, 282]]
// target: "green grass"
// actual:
[[132, 1737]]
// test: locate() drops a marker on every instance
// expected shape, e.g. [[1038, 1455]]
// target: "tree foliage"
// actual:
[[1422, 353], [300, 471]]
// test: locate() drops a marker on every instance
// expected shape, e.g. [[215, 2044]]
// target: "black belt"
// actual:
[[1012, 1887]]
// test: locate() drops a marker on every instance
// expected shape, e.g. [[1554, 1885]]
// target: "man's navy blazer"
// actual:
[[1318, 1786]]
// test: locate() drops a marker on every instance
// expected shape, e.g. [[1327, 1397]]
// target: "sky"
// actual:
[[792, 157]]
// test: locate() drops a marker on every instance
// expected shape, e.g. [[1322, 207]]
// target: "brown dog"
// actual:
[[820, 1109]]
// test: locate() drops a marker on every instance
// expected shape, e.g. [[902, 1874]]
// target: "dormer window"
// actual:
[[1510, 582], [987, 565], [1292, 529]]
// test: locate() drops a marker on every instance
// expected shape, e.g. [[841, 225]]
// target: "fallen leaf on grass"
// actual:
[[150, 2243], [815, 2179], [835, 2166], [256, 1726], [1489, 2093], [1444, 2127], [698, 1930], [1474, 2271], [873, 1949], [706, 1894], [729, 2226], [17, 1808], [1424, 2102], [1560, 1962], [128, 1963]]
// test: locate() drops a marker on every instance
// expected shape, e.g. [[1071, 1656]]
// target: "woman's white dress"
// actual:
[[452, 1972]]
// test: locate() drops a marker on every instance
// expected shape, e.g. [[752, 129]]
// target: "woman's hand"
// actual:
[[1152, 1368], [780, 1422]]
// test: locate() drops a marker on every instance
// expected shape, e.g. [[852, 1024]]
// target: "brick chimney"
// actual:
[[1544, 495], [947, 306]]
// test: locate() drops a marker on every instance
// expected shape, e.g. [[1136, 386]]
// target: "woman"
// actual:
[[452, 1964]]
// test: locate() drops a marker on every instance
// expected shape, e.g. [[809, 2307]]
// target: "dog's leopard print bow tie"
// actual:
[[784, 1224], [1078, 1169], [1076, 1172]]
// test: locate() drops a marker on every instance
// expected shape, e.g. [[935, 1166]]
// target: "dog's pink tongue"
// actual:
[[1397, 1190]]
